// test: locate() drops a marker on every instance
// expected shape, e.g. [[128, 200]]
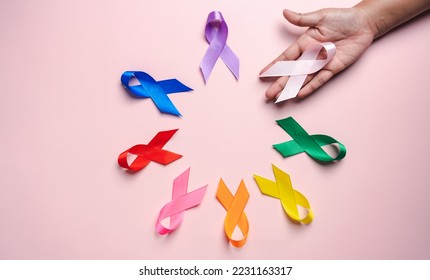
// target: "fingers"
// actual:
[[317, 81], [307, 19], [275, 89], [278, 86], [312, 83], [293, 52]]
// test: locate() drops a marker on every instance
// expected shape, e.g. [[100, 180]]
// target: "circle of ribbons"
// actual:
[[216, 33]]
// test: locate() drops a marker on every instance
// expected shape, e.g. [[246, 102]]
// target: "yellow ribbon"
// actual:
[[235, 206], [289, 197]]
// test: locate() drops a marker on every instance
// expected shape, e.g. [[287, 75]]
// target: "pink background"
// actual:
[[64, 119]]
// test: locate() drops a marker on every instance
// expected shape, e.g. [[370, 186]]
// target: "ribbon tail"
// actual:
[[206, 68], [231, 60], [286, 193], [161, 138], [292, 88], [173, 86], [289, 148], [161, 156], [267, 186], [180, 184], [208, 62], [163, 102]]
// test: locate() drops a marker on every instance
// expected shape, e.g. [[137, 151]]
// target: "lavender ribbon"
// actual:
[[216, 33]]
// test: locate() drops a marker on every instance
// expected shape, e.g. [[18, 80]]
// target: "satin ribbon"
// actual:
[[235, 206], [303, 142], [181, 201], [157, 91], [290, 198], [299, 69], [151, 152], [216, 33]]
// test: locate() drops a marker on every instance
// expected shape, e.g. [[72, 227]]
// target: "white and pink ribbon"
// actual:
[[306, 64], [181, 200]]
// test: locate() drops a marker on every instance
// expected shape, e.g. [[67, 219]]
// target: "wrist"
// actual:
[[374, 22], [384, 15]]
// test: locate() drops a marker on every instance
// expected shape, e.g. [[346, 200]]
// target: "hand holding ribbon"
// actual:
[[216, 33], [157, 91], [298, 70], [151, 152], [303, 142], [235, 206], [181, 201], [290, 198]]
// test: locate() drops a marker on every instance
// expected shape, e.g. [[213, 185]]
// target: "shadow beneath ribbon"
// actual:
[[166, 237]]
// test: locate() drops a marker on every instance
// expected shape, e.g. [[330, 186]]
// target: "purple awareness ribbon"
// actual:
[[216, 33]]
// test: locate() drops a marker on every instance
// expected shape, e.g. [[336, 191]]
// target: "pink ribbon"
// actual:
[[299, 69], [181, 201]]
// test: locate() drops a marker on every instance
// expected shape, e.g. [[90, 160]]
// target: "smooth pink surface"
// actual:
[[64, 119]]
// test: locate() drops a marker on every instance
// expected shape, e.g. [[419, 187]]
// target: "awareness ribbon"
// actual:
[[235, 206], [299, 69], [303, 142], [181, 201], [151, 152], [289, 197], [157, 91], [216, 33]]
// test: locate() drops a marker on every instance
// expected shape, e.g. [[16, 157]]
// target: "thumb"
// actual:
[[308, 19]]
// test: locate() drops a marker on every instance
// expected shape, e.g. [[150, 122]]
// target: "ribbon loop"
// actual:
[[290, 198], [216, 33], [299, 69], [235, 206], [181, 201], [151, 152], [303, 142], [157, 91]]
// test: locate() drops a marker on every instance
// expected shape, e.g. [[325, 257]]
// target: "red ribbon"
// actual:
[[151, 152]]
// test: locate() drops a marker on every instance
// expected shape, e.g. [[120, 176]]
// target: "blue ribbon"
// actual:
[[157, 91]]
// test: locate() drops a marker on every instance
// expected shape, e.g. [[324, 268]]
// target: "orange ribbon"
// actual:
[[235, 206]]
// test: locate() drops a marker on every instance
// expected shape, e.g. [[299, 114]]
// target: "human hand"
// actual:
[[350, 29]]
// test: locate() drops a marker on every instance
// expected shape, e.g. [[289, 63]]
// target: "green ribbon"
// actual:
[[303, 142]]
